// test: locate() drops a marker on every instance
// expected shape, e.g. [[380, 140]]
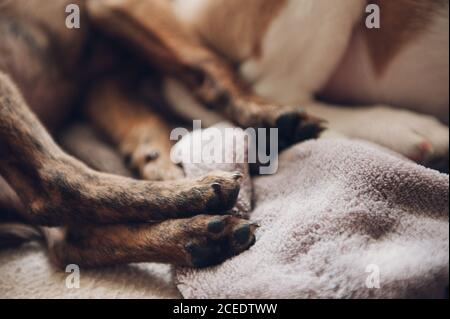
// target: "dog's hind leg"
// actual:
[[154, 31], [57, 189], [142, 137]]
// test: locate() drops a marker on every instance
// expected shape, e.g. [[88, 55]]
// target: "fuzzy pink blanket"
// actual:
[[340, 219]]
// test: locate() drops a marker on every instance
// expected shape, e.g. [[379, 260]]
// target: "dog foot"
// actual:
[[217, 192], [295, 126], [421, 138], [216, 239], [152, 162], [199, 241]]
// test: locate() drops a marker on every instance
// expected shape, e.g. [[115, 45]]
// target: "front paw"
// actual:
[[210, 240], [220, 191]]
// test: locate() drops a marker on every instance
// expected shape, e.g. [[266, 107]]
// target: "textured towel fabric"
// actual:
[[208, 144], [27, 273], [339, 219]]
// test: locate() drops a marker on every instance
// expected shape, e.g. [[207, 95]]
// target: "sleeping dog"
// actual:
[[96, 219], [252, 61], [322, 53]]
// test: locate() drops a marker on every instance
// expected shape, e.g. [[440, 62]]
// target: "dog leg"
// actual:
[[199, 242], [154, 31], [142, 136], [58, 189]]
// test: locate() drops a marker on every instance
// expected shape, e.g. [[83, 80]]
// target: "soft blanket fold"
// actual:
[[340, 219]]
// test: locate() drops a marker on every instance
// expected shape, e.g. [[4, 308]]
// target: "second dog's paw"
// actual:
[[421, 138], [153, 163], [296, 126]]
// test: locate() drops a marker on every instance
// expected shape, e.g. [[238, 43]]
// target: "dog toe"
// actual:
[[225, 237]]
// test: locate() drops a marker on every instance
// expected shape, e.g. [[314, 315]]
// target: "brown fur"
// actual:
[[90, 246], [55, 189], [41, 55], [153, 30], [402, 21], [141, 135], [84, 143], [172, 241], [59, 190], [246, 26]]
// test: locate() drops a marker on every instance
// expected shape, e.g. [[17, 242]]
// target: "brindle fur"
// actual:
[[152, 29], [104, 218], [59, 189]]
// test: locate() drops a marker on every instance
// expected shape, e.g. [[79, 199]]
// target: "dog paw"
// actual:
[[295, 125], [210, 240], [152, 162], [220, 191], [421, 138]]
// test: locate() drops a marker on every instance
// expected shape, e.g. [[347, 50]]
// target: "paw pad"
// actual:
[[216, 226]]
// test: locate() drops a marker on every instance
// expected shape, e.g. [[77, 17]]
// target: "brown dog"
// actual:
[[374, 69], [105, 218]]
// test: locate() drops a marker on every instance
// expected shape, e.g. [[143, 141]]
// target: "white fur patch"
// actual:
[[302, 48], [188, 10], [417, 78]]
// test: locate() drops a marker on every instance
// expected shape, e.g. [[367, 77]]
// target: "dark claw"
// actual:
[[254, 225]]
